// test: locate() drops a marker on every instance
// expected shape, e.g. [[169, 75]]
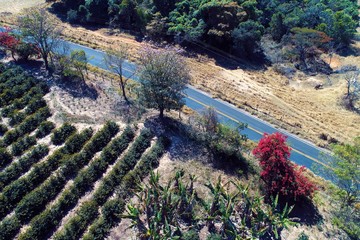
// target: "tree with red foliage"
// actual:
[[9, 42], [279, 174]]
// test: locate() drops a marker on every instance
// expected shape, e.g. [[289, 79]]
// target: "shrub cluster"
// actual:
[[114, 207], [75, 142], [34, 105], [22, 145], [27, 126], [10, 94], [50, 218], [62, 133], [20, 103], [44, 129], [3, 129], [16, 118], [5, 157], [13, 193], [15, 170], [73, 230]]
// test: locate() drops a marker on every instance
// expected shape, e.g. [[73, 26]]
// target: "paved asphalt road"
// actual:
[[303, 152]]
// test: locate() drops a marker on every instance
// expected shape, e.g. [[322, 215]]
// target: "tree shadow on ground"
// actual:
[[78, 88], [352, 50], [224, 59], [305, 212]]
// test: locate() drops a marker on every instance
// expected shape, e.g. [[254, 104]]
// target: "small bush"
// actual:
[[61, 134], [34, 105], [5, 157], [303, 236], [23, 144], [44, 129], [3, 129], [17, 118]]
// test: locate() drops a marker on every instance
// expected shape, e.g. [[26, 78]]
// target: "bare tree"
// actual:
[[115, 60], [163, 77], [352, 87], [42, 30]]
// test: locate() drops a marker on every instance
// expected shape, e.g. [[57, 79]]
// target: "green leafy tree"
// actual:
[[247, 35], [344, 170], [163, 77], [164, 6], [277, 27], [184, 22], [344, 28], [79, 61], [306, 43]]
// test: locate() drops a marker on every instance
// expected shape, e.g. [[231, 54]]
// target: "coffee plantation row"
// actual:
[[42, 182]]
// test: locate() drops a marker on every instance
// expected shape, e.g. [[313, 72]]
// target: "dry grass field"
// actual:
[[15, 6]]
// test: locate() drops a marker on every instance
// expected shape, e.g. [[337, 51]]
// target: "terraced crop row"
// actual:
[[49, 219], [113, 208], [86, 214], [34, 202], [15, 170], [30, 124], [13, 193]]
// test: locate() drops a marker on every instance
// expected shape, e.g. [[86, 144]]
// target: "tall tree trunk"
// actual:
[[161, 115], [122, 85], [46, 62]]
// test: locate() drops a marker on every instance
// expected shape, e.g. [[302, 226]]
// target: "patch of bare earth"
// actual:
[[16, 6]]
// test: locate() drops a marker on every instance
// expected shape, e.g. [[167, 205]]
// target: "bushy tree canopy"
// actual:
[[279, 174], [226, 24]]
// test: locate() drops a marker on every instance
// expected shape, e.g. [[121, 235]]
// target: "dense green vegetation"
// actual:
[[235, 25]]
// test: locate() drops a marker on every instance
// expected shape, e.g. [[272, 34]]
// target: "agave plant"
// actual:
[[278, 220]]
